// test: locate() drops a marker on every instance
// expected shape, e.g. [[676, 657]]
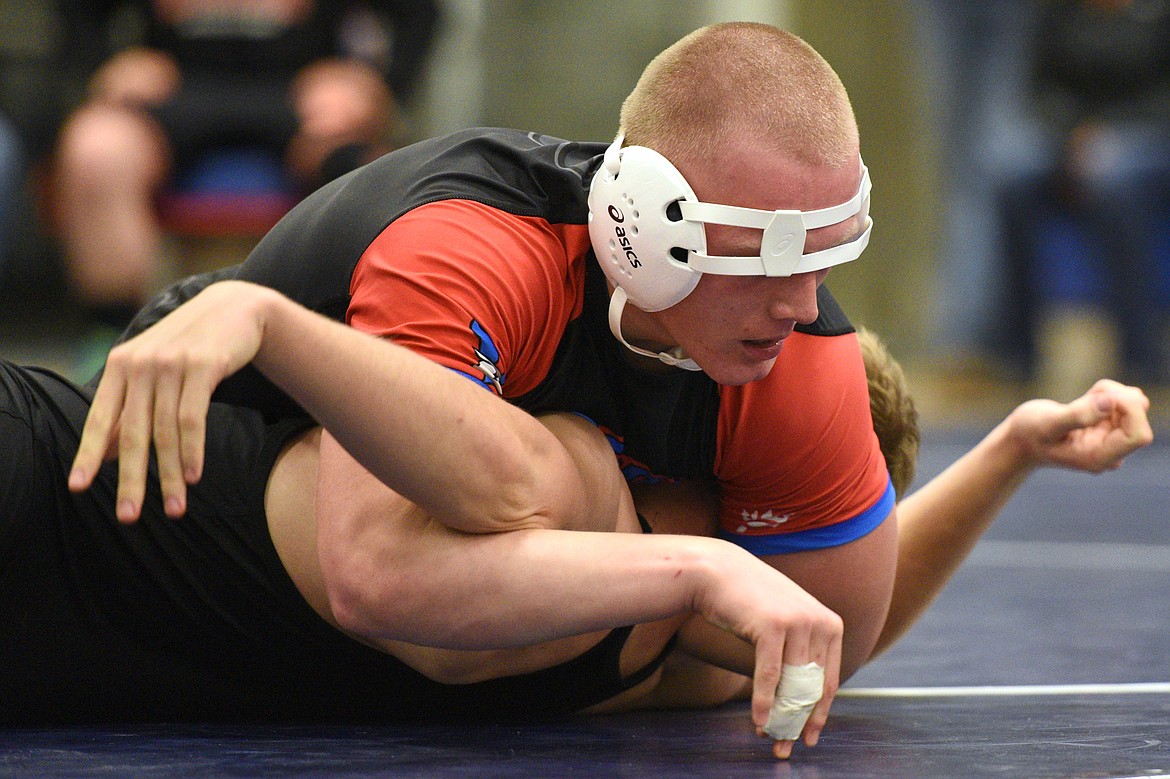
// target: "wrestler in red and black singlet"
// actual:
[[473, 250]]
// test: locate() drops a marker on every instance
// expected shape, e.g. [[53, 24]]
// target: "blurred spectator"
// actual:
[[315, 82], [12, 164], [1089, 232], [974, 57]]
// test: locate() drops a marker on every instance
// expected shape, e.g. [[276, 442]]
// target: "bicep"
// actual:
[[579, 487], [591, 494]]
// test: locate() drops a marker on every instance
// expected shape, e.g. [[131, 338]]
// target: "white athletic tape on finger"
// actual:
[[801, 686]]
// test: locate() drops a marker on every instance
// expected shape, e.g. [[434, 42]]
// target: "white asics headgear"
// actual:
[[647, 230]]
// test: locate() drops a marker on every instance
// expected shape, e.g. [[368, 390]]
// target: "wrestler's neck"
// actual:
[[643, 330]]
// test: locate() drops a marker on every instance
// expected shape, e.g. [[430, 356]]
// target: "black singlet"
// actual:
[[196, 619]]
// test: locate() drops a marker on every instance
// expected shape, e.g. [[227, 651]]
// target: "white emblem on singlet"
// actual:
[[757, 521]]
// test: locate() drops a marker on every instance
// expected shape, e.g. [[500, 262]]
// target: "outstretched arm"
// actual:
[[940, 523]]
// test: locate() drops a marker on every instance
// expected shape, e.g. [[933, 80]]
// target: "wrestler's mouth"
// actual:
[[763, 348], [772, 341]]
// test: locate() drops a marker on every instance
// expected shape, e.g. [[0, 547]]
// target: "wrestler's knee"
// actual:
[[104, 146]]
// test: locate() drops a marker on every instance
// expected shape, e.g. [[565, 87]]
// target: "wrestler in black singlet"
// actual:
[[196, 619]]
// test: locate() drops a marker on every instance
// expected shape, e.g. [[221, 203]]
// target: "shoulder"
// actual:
[[311, 254], [814, 379], [798, 446], [472, 285], [520, 172]]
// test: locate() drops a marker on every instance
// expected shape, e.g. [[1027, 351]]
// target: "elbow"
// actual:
[[563, 476], [356, 599], [347, 601], [403, 606], [347, 605], [374, 597]]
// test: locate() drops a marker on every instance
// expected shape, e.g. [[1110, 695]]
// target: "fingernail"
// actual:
[[126, 509], [76, 478], [173, 507]]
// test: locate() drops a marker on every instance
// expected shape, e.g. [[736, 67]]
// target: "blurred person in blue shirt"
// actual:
[[1091, 228]]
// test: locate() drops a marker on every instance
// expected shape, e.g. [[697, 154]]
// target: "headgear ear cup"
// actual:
[[634, 228]]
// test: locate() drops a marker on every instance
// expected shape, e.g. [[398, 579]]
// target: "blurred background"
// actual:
[[1017, 147]]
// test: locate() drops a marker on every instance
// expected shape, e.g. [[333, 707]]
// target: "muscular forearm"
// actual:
[[939, 524], [438, 587]]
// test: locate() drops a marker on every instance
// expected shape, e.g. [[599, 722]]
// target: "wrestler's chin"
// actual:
[[749, 361]]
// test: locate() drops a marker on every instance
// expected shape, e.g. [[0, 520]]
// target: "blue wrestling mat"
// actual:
[[1041, 735]]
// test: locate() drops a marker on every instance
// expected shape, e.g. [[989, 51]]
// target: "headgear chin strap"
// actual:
[[675, 357], [647, 228]]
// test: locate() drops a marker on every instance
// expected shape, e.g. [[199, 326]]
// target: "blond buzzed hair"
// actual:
[[741, 81], [895, 417]]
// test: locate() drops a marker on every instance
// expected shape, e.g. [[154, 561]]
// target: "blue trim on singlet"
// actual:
[[818, 537], [477, 379], [801, 540]]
